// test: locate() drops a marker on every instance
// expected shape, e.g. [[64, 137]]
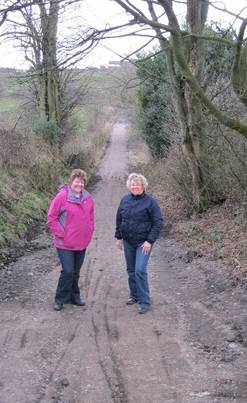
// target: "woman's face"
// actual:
[[136, 187], [77, 185]]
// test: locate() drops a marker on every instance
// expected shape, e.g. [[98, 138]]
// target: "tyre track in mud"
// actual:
[[112, 370], [111, 366], [58, 364]]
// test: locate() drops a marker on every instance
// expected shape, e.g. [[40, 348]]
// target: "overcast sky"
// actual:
[[99, 13]]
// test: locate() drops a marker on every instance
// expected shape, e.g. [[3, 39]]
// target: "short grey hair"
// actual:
[[139, 177]]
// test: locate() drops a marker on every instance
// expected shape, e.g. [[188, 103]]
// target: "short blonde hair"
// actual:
[[138, 177], [78, 173]]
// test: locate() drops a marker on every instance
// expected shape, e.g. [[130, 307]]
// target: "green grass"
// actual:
[[8, 105], [19, 206], [14, 221]]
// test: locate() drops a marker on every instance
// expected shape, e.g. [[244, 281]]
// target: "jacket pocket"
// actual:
[[141, 228], [59, 241]]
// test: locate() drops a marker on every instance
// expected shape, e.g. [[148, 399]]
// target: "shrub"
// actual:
[[14, 149], [46, 129], [156, 115], [45, 176]]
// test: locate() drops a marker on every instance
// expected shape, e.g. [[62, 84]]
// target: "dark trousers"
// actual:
[[68, 287], [137, 263]]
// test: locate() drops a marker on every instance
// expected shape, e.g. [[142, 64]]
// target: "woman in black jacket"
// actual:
[[138, 224]]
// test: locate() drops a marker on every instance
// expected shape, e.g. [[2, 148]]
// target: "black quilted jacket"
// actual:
[[138, 219]]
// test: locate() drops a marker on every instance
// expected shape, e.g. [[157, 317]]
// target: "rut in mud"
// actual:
[[189, 348]]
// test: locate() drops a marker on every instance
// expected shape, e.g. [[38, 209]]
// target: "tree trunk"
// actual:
[[50, 74], [188, 106], [190, 141], [239, 70]]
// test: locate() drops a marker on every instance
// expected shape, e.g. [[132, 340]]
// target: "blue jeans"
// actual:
[[68, 288], [137, 273]]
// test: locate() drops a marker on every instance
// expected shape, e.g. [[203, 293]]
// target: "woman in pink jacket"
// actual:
[[71, 221]]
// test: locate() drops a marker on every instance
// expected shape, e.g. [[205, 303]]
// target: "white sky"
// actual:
[[99, 13]]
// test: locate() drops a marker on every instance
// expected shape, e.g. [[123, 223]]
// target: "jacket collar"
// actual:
[[73, 198], [137, 197]]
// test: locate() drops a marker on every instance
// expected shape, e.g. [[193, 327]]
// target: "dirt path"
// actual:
[[188, 349]]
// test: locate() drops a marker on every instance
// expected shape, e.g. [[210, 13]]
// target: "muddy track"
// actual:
[[190, 347]]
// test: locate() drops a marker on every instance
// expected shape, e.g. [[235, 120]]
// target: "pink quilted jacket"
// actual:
[[71, 219]]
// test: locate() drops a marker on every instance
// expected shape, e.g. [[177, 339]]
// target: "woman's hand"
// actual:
[[146, 247], [119, 244]]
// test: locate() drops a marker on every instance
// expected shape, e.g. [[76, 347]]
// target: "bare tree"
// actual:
[[184, 50], [34, 27], [9, 6]]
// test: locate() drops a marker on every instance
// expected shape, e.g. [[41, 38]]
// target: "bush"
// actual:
[[157, 117], [46, 129], [84, 149], [15, 149], [45, 176], [19, 206]]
